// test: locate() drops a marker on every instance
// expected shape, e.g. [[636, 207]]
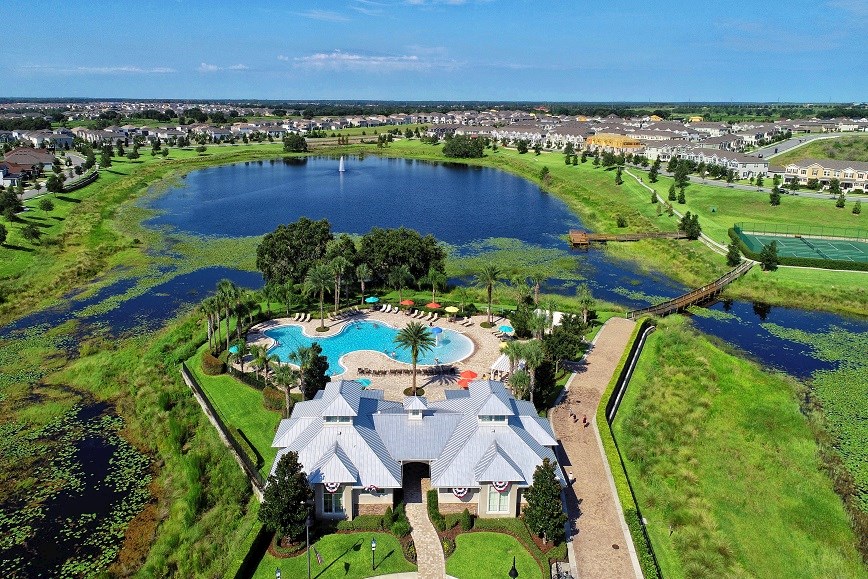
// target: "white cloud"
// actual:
[[205, 67], [283, 58], [326, 15], [338, 60], [49, 69]]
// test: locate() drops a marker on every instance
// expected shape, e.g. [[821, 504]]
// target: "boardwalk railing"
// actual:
[[78, 184], [696, 296], [579, 238]]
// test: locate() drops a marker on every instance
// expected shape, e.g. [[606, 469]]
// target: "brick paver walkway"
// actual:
[[429, 554], [601, 544]]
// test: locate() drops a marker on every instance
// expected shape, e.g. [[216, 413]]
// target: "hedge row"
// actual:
[[800, 261], [643, 546], [212, 366], [434, 514]]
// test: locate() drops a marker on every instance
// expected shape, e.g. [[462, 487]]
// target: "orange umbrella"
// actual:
[[464, 383], [407, 303], [468, 375], [432, 306]]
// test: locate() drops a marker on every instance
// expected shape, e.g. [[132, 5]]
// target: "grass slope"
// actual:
[[718, 451], [850, 148]]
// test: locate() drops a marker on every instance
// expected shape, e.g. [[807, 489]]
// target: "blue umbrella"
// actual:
[[436, 331], [372, 300]]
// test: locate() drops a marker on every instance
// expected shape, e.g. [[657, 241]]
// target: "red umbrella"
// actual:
[[433, 306], [464, 383], [407, 303], [468, 375]]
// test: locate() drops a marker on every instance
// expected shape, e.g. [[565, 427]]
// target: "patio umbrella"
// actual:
[[464, 383], [372, 300], [407, 303], [436, 331], [468, 375], [450, 309], [432, 306]]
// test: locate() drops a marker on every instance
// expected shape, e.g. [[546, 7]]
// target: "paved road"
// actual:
[[601, 545], [771, 151]]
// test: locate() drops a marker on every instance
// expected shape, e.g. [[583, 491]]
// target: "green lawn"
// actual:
[[240, 406], [489, 555], [850, 148], [345, 556], [718, 450]]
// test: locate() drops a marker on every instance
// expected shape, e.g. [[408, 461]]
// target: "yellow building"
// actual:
[[613, 142], [655, 118], [695, 119]]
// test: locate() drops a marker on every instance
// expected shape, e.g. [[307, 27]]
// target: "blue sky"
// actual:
[[625, 50]]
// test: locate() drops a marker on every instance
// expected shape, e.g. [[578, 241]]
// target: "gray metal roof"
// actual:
[[377, 436]]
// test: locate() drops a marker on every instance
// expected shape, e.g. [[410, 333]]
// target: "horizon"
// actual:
[[440, 51]]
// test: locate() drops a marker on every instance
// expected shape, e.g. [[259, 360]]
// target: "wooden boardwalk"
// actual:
[[583, 239], [696, 296]]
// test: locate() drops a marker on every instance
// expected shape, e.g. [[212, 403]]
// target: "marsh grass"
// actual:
[[718, 451]]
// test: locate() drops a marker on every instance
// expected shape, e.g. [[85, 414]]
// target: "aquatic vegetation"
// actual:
[[513, 256], [711, 313]]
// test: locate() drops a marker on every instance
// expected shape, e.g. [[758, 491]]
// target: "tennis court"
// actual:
[[807, 243]]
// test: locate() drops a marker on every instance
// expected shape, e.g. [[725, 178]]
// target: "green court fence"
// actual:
[[814, 231]]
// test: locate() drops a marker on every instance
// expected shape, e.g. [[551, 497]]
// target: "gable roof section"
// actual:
[[334, 466], [495, 465]]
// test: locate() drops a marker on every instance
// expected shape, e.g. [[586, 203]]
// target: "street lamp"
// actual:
[[277, 573], [373, 551], [513, 573]]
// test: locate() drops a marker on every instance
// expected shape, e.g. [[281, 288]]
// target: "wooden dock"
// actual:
[[583, 239], [697, 296]]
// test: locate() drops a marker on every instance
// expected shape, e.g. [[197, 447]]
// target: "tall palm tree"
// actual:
[[533, 355], [537, 277], [418, 339], [363, 274], [241, 350], [462, 294], [513, 351], [259, 355], [338, 266], [302, 357], [522, 291], [586, 301], [436, 279], [399, 277], [210, 308], [286, 294], [487, 278], [227, 293], [318, 280], [285, 378]]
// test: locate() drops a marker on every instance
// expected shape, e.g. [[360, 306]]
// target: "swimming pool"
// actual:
[[367, 335]]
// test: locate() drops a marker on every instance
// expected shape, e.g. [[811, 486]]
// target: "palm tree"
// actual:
[[533, 355], [211, 308], [522, 291], [338, 266], [286, 294], [586, 301], [363, 274], [318, 280], [537, 277], [436, 279], [227, 293], [285, 377], [462, 294], [513, 350], [241, 350], [418, 339], [260, 359], [399, 277], [302, 357], [488, 278]]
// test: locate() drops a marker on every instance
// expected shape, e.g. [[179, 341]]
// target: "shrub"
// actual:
[[409, 551], [211, 365], [400, 529], [388, 518], [466, 520], [273, 399], [448, 546], [368, 523], [621, 221], [346, 525], [434, 511]]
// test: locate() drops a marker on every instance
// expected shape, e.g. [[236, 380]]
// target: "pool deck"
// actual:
[[486, 351]]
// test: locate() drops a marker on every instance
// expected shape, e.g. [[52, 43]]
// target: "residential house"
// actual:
[[851, 174], [34, 160], [744, 166], [479, 447], [614, 143]]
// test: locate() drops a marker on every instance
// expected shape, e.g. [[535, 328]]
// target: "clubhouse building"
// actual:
[[479, 448]]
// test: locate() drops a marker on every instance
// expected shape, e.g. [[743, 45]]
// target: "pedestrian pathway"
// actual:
[[429, 553], [601, 544]]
